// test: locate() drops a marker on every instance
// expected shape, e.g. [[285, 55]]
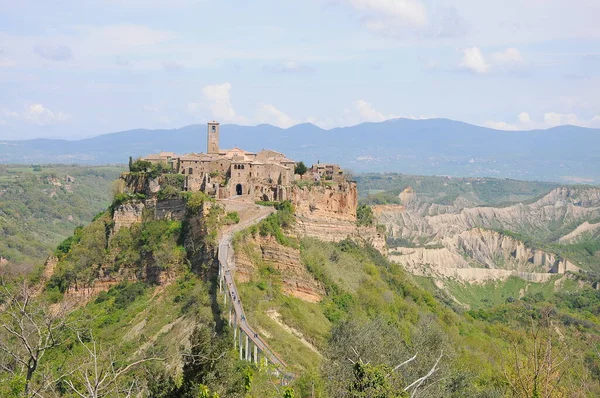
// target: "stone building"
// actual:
[[266, 175], [326, 171]]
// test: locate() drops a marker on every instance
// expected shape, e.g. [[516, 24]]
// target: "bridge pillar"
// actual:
[[234, 332], [255, 353], [230, 314], [241, 345], [247, 352]]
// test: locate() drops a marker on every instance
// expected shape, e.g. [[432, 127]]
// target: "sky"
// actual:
[[74, 68]]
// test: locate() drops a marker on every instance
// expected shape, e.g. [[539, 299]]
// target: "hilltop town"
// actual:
[[225, 173]]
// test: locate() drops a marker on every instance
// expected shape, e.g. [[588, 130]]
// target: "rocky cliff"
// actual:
[[563, 206], [464, 242], [328, 212], [254, 252]]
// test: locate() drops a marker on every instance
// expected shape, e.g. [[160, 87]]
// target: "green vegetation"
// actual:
[[300, 168], [152, 169], [384, 189], [121, 198], [39, 209], [149, 248], [159, 311], [275, 224], [364, 216], [232, 218]]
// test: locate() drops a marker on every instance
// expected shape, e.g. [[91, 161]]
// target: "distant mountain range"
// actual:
[[434, 146]]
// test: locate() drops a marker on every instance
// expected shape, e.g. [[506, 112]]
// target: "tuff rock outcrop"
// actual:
[[297, 281], [328, 212], [464, 242]]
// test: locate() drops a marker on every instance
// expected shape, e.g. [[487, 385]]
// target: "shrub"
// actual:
[[121, 198], [364, 216], [140, 166], [194, 201], [232, 218], [127, 293], [168, 192]]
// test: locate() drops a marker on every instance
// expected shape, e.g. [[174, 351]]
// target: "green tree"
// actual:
[[372, 381], [364, 216], [300, 169], [288, 393]]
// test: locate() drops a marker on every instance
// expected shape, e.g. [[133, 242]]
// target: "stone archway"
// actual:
[[238, 189]]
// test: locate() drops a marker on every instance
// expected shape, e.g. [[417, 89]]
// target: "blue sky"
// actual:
[[74, 68]]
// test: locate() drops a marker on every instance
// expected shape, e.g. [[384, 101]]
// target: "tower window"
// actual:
[[214, 128]]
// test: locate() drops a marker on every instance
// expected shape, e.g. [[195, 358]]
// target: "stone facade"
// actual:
[[326, 172], [266, 175]]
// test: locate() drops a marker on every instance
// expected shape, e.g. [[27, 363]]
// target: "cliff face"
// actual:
[[140, 183], [460, 242], [127, 214], [255, 252], [434, 222], [328, 213], [478, 255]]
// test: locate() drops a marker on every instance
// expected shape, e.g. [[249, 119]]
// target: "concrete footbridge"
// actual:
[[249, 342]]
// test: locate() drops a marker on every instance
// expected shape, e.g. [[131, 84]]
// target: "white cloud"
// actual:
[[267, 113], [367, 113], [510, 56], [217, 101], [37, 114], [524, 117], [361, 111], [509, 60], [34, 114], [392, 17], [473, 60], [501, 126], [551, 119]]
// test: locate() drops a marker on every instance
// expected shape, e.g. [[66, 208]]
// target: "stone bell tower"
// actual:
[[212, 146]]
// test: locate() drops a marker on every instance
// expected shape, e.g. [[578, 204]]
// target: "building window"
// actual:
[[191, 171], [214, 128]]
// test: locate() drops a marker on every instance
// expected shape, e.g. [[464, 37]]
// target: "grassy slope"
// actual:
[[493, 293], [362, 285], [384, 188], [36, 215]]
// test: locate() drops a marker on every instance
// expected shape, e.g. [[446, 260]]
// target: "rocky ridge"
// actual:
[[465, 242]]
